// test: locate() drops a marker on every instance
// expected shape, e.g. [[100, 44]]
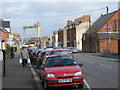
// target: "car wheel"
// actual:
[[80, 85]]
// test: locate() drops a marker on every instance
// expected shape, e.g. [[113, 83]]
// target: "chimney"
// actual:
[[86, 18], [69, 22]]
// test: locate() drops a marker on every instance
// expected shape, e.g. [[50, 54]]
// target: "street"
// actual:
[[99, 72]]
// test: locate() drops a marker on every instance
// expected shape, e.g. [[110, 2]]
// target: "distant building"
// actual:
[[44, 42], [60, 37], [73, 32], [81, 27], [55, 39], [5, 24]]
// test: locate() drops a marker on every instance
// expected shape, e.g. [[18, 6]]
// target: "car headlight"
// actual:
[[78, 73], [50, 75]]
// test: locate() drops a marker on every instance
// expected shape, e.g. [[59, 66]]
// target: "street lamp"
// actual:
[[107, 35]]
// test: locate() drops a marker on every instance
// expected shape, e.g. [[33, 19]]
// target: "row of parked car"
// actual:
[[58, 67]]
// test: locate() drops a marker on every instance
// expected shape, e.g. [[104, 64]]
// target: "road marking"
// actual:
[[104, 65], [87, 84]]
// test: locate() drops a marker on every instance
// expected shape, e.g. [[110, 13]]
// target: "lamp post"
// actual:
[[107, 35]]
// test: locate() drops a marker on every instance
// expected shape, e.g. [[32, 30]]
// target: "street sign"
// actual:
[[107, 28]]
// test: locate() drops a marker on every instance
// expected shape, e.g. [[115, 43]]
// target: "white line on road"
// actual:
[[87, 84], [104, 65]]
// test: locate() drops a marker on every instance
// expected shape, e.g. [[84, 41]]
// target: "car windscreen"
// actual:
[[60, 61], [60, 52]]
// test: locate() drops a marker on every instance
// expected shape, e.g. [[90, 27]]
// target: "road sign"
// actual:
[[107, 28]]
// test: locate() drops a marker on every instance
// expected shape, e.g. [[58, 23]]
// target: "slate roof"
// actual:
[[100, 22]]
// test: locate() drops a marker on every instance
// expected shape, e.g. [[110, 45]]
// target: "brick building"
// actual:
[[60, 37], [71, 35], [95, 38]]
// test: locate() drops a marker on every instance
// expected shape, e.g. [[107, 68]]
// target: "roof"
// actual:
[[61, 50], [59, 55], [100, 22]]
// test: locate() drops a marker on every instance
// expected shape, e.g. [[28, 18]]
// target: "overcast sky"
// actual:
[[50, 15]]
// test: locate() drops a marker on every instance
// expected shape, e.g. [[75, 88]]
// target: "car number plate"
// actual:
[[64, 80]]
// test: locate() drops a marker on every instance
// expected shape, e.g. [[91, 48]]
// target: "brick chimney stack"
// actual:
[[85, 18], [69, 22]]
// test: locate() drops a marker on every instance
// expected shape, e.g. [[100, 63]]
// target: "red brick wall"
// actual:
[[113, 43], [4, 36]]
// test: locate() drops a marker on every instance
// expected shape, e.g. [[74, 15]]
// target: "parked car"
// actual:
[[41, 56], [37, 55], [32, 55], [73, 49], [61, 51], [61, 70], [49, 47], [56, 48]]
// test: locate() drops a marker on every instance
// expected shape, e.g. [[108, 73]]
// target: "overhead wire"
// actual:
[[62, 15]]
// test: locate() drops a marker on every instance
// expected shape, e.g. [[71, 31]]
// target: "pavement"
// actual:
[[0, 75], [17, 77]]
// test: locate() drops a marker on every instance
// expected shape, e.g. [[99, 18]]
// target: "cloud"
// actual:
[[51, 16], [60, 1]]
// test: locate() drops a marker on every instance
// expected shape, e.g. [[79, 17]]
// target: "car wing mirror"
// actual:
[[80, 64]]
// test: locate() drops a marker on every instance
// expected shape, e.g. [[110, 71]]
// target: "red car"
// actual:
[[61, 70], [61, 51]]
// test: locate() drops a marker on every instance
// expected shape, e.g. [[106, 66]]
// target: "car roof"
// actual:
[[58, 55], [61, 50], [45, 50], [40, 50]]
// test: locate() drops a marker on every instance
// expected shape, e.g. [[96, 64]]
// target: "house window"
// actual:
[[114, 25]]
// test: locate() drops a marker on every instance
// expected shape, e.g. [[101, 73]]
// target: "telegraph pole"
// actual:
[[107, 52]]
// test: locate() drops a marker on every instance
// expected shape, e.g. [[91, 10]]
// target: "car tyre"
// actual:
[[80, 85]]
